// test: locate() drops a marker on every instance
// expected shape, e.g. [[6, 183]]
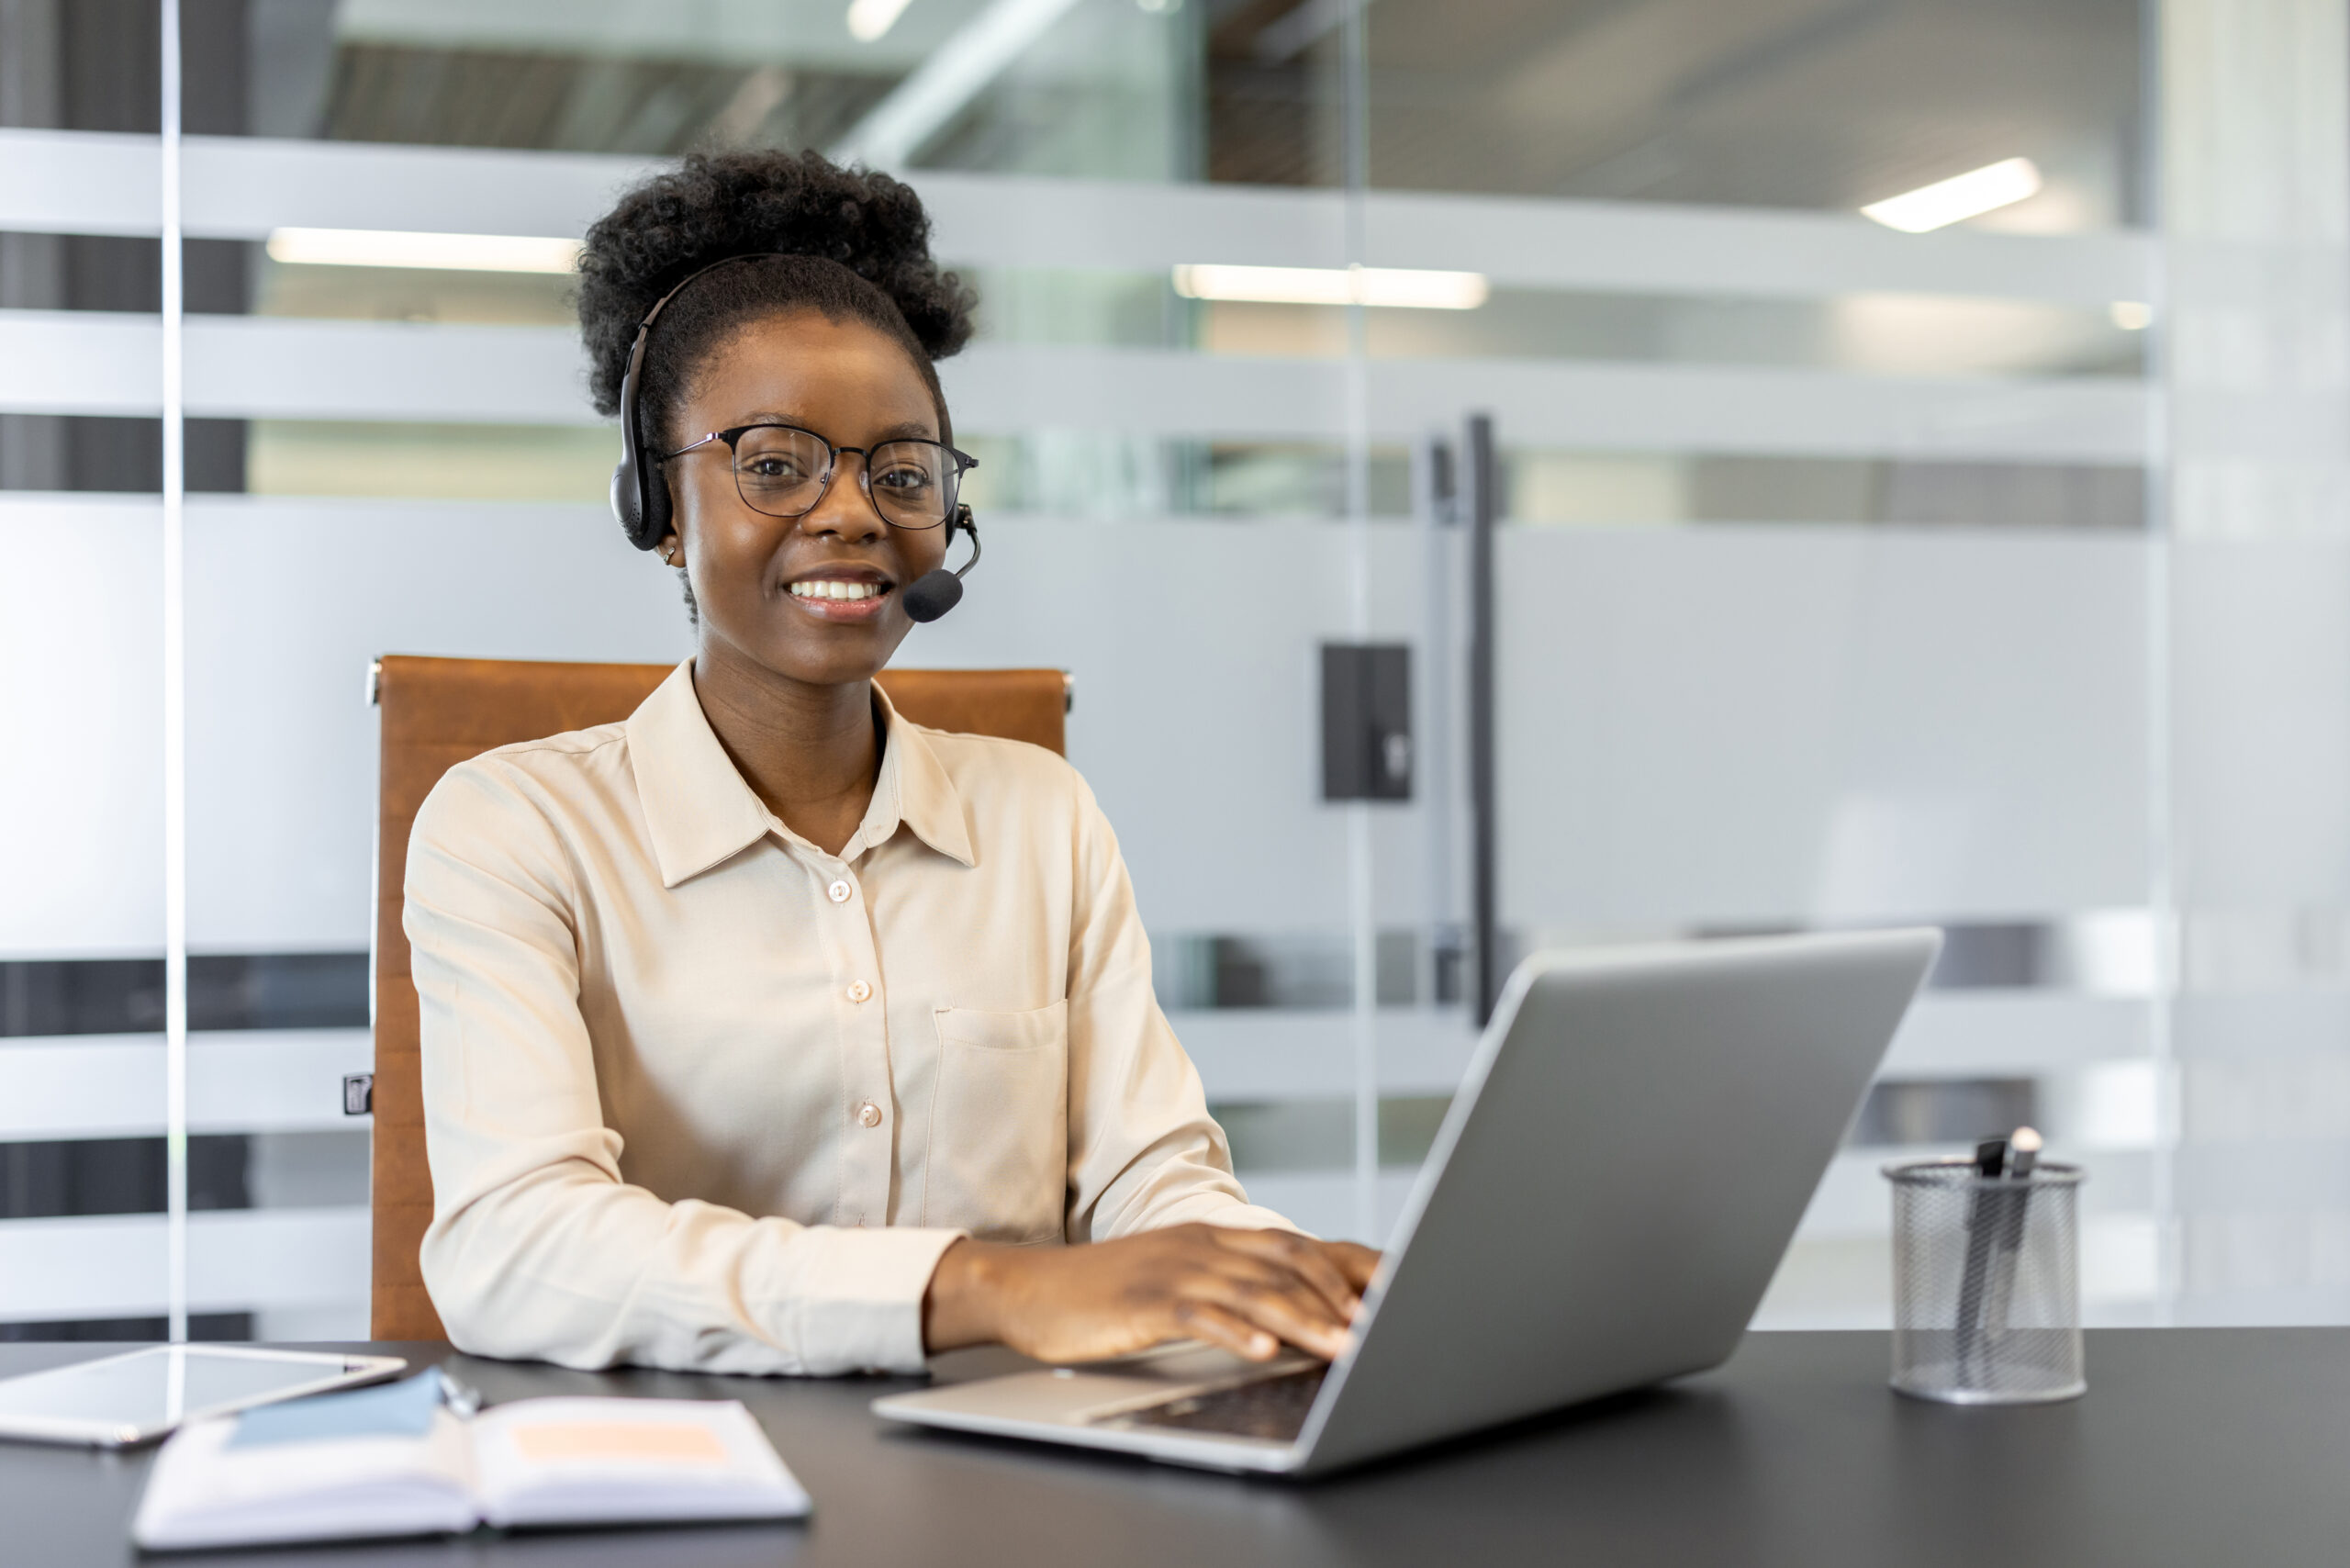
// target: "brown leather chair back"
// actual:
[[436, 713]]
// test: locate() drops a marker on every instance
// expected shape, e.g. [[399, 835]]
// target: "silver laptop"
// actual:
[[1620, 1173]]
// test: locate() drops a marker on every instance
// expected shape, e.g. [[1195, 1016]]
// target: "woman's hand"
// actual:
[[1248, 1291]]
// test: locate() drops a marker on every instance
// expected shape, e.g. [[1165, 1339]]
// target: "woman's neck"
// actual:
[[810, 753]]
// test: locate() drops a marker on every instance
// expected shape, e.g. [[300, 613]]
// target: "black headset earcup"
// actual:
[[624, 496], [653, 485], [643, 510], [646, 524]]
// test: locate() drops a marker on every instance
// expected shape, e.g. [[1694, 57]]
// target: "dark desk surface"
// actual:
[[2193, 1446]]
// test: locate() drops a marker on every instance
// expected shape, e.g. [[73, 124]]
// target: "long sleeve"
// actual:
[[538, 1246], [1143, 1151]]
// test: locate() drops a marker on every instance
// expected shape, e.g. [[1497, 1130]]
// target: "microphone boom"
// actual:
[[938, 590]]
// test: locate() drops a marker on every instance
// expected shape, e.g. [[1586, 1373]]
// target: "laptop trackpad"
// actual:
[[1079, 1395]]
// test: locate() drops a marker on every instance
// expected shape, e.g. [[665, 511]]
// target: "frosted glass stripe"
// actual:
[[81, 795], [112, 1266], [243, 188], [261, 1081]]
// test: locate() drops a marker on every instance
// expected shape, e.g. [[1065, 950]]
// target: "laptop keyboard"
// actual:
[[1272, 1408]]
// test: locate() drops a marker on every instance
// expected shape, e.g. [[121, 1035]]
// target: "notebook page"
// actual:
[[576, 1461], [204, 1493]]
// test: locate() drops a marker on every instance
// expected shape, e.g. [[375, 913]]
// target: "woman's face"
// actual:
[[854, 386]]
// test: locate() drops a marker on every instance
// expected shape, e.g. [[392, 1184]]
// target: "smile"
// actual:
[[862, 599]]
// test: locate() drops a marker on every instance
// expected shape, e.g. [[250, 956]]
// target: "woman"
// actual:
[[766, 1031]]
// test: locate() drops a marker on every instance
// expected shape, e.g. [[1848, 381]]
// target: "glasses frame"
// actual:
[[963, 464]]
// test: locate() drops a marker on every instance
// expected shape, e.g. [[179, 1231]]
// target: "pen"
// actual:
[[2026, 1145], [1990, 1165], [464, 1400], [2013, 1205], [1991, 1158]]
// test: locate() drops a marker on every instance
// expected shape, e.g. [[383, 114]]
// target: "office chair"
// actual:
[[438, 713]]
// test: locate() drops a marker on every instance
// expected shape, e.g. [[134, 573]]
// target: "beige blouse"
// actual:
[[700, 1095]]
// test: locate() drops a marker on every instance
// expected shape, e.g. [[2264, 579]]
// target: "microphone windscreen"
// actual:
[[933, 594]]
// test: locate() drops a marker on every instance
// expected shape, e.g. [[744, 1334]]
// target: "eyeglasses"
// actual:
[[784, 471]]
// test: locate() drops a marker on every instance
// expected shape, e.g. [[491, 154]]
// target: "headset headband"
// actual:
[[639, 501]]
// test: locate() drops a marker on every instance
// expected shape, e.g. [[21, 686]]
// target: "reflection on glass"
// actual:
[[1818, 104], [1102, 88], [1877, 334], [413, 294], [1608, 488], [1318, 1135], [522, 463]]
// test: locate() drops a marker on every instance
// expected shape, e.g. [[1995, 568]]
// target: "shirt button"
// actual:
[[868, 1114], [859, 992], [839, 892]]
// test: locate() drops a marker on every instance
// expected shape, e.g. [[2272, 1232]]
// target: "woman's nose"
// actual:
[[845, 510]]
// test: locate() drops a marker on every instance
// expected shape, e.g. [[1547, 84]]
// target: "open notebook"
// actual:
[[308, 1471]]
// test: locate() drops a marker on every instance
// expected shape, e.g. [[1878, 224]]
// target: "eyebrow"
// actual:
[[910, 429]]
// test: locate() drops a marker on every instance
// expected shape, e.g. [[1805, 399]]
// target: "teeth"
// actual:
[[833, 588]]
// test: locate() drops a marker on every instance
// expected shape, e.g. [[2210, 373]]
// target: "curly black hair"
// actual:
[[849, 242]]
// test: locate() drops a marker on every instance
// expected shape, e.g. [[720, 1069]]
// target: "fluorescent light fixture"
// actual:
[[1962, 196], [869, 20], [440, 253], [1399, 286], [2131, 315]]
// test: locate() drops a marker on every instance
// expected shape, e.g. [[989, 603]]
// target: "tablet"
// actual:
[[132, 1398]]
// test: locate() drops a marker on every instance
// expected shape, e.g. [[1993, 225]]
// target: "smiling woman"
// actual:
[[766, 1031]]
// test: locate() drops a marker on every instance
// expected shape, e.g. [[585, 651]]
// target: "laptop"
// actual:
[[1620, 1173]]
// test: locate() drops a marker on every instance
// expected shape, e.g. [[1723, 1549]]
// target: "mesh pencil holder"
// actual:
[[1987, 1299]]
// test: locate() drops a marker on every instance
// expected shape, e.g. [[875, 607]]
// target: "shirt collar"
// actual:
[[914, 789], [700, 812]]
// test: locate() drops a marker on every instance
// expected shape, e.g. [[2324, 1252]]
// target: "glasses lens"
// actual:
[[912, 482], [780, 471]]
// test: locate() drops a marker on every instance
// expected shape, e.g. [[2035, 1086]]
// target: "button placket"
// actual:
[[868, 1154]]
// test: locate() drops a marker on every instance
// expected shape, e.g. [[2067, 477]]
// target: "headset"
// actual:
[[641, 496]]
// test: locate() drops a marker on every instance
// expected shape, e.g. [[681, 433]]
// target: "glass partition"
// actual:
[[1913, 455]]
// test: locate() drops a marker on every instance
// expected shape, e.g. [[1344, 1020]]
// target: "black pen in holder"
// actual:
[[1986, 1278]]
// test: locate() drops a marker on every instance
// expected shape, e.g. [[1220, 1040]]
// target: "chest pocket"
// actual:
[[999, 1133]]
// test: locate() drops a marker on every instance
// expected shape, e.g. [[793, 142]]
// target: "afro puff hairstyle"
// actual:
[[848, 242]]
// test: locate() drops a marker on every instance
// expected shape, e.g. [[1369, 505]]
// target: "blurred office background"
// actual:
[[1984, 562]]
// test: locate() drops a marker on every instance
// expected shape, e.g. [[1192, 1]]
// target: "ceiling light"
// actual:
[[440, 252], [869, 20], [1962, 196], [1397, 286], [2131, 315]]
